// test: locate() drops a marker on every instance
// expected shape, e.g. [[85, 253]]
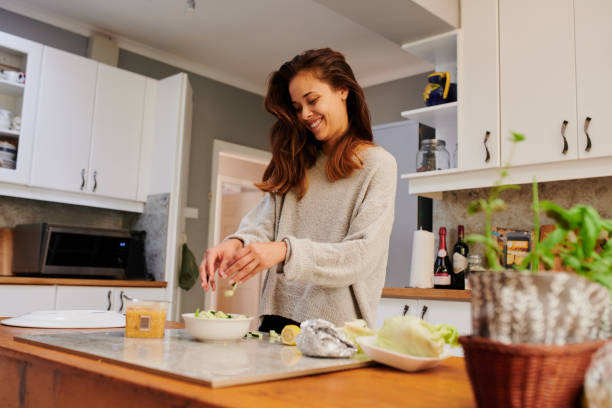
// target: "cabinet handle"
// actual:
[[109, 300], [82, 179], [587, 123], [121, 295], [95, 175], [406, 307], [563, 127], [423, 311], [486, 139]]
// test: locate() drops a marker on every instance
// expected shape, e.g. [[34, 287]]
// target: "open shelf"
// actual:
[[9, 132], [11, 88], [440, 49], [437, 116]]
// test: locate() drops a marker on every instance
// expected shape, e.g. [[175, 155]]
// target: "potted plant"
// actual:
[[533, 332]]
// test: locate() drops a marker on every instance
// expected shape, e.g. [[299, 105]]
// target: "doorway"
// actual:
[[235, 170]]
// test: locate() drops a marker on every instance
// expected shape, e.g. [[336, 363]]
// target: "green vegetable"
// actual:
[[414, 336], [357, 328], [217, 314], [197, 313], [254, 334], [274, 336], [230, 292]]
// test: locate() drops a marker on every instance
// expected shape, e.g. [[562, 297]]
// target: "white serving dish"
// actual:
[[68, 319], [397, 360], [217, 329]]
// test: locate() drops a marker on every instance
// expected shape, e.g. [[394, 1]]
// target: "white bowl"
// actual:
[[397, 360], [217, 329]]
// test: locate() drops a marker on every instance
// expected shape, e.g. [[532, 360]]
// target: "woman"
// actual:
[[323, 227]]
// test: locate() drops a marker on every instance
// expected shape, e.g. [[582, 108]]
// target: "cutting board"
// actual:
[[179, 355]]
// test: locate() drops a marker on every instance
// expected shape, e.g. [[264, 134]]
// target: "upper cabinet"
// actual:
[[538, 79], [88, 128], [478, 87], [20, 61], [593, 84]]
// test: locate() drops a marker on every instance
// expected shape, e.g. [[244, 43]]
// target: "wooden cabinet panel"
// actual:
[[538, 79], [63, 124], [116, 133], [594, 84]]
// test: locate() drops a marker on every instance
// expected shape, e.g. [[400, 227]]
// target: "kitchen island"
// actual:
[[34, 376]]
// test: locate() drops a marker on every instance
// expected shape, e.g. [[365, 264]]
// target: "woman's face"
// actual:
[[321, 108]]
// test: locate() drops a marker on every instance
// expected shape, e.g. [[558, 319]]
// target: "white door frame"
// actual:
[[236, 151]]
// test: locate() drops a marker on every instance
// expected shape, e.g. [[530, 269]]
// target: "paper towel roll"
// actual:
[[422, 262]]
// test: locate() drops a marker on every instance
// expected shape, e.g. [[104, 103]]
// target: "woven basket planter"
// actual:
[[526, 375]]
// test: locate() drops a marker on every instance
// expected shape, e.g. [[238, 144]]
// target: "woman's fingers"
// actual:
[[237, 266], [248, 272]]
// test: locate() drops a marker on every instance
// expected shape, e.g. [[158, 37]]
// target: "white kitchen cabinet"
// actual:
[[16, 300], [63, 124], [85, 298], [136, 293], [456, 313], [538, 80], [594, 85], [116, 133], [478, 87], [20, 99], [88, 128]]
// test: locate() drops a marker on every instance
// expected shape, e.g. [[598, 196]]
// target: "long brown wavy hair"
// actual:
[[294, 147]]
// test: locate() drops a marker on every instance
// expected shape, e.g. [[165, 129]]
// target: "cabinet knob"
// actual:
[[82, 179], [109, 300], [563, 127], [486, 139], [406, 307], [121, 295], [95, 177], [587, 123], [423, 311]]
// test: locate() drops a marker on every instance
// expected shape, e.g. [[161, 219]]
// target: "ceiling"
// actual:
[[239, 42]]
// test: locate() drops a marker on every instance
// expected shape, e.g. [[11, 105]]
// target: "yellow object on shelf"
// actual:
[[145, 318]]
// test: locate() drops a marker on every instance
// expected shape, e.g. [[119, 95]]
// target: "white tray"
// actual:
[[68, 319]]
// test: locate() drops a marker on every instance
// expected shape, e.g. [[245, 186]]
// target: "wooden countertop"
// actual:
[[22, 280], [34, 376], [417, 293]]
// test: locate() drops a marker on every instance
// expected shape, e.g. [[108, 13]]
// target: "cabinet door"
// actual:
[[16, 300], [137, 293], [116, 131], [63, 123], [388, 307], [84, 298], [21, 100], [538, 79], [456, 313], [478, 85], [594, 84]]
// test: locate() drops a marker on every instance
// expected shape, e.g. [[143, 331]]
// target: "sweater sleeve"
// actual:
[[355, 257], [258, 224]]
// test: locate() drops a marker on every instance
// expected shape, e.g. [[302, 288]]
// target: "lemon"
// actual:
[[290, 355], [289, 333]]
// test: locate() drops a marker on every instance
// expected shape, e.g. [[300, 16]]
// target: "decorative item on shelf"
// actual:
[[14, 76], [8, 153], [5, 118], [439, 89], [534, 332], [432, 156], [16, 123]]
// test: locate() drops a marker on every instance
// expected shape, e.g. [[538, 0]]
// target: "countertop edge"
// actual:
[[436, 294]]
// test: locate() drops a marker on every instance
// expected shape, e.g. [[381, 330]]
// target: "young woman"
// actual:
[[322, 230]]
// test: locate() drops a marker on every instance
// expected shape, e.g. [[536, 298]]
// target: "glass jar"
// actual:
[[433, 155], [474, 265]]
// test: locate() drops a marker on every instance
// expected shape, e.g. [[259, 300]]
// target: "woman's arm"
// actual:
[[351, 260]]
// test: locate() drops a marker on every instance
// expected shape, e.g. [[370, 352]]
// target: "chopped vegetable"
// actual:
[[414, 336], [274, 336], [217, 314], [197, 313], [254, 334], [230, 292], [357, 328]]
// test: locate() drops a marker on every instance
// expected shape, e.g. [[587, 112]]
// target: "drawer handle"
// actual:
[[82, 179], [587, 123], [121, 295], [563, 127], [406, 307], [109, 300], [486, 139], [95, 175], [423, 311]]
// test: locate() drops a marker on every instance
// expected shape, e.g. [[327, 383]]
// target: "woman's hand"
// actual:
[[254, 258], [217, 258]]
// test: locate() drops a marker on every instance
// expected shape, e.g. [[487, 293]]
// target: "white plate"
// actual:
[[400, 361], [68, 319]]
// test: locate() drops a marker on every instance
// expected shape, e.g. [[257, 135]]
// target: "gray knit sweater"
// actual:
[[338, 242]]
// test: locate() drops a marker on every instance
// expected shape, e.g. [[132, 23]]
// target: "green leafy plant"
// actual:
[[581, 238]]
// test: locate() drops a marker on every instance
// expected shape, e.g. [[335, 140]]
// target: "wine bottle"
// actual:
[[442, 266], [460, 253]]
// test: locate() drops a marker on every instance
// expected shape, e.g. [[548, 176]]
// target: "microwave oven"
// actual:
[[53, 250]]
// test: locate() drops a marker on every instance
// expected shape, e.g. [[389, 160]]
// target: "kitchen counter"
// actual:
[[24, 280], [34, 376]]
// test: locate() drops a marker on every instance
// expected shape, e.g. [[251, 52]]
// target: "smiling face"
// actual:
[[319, 107]]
